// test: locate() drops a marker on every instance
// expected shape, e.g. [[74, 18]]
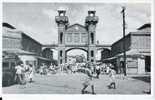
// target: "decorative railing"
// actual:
[[60, 19], [92, 19]]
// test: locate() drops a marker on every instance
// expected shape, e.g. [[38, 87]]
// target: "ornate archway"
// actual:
[[76, 35]]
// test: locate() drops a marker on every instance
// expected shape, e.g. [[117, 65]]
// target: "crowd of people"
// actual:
[[94, 72], [24, 73]]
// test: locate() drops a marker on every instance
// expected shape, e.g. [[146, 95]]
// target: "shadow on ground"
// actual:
[[143, 78]]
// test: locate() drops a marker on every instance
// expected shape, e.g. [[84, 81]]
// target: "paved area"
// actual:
[[72, 83]]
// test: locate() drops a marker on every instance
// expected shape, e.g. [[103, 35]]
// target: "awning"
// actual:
[[18, 51], [42, 58], [108, 59], [136, 52], [133, 52]]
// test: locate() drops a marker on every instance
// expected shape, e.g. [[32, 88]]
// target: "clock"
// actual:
[[76, 27]]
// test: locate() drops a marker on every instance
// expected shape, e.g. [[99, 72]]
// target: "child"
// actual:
[[112, 78]]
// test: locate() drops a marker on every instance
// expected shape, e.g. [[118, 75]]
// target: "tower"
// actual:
[[90, 23], [62, 22]]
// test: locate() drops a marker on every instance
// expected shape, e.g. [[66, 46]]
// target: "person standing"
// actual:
[[41, 69], [30, 73], [18, 75], [23, 70], [107, 69], [19, 72], [97, 71], [112, 78]]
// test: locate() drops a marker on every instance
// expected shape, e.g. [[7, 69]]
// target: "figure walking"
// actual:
[[89, 79]]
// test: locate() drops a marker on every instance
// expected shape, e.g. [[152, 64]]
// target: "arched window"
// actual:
[[92, 38], [92, 53], [61, 37], [60, 61], [61, 53]]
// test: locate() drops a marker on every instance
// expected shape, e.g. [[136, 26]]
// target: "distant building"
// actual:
[[138, 51], [17, 42]]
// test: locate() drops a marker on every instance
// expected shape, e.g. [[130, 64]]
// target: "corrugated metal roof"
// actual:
[[18, 51]]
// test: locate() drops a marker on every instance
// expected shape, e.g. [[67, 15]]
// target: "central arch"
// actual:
[[84, 50]]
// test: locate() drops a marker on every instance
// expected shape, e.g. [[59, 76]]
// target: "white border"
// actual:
[[84, 97]]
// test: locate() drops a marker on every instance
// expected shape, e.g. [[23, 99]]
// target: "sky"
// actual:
[[38, 19]]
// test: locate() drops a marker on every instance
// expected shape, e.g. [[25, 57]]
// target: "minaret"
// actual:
[[62, 22], [90, 23]]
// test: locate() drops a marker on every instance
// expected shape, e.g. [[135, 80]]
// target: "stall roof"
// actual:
[[145, 52], [18, 51], [39, 57], [134, 52]]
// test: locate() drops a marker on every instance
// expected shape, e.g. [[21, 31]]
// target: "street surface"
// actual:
[[63, 83]]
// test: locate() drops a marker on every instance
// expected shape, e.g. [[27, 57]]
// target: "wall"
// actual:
[[76, 34], [141, 41], [29, 44], [11, 39], [117, 47]]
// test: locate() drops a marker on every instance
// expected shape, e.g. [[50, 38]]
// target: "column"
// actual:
[[141, 65]]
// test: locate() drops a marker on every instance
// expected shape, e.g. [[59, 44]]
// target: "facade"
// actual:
[[76, 36], [138, 51], [17, 42]]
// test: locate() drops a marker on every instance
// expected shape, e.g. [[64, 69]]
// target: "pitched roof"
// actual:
[[8, 25], [18, 51], [144, 26], [76, 24]]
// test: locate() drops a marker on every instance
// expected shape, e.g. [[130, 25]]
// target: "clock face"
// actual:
[[76, 27]]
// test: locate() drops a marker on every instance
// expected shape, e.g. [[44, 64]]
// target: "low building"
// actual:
[[138, 51], [28, 49]]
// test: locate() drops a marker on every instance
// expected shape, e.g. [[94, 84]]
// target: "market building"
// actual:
[[28, 49], [138, 51]]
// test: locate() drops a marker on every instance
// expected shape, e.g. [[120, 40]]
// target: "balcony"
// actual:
[[92, 19], [61, 19]]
